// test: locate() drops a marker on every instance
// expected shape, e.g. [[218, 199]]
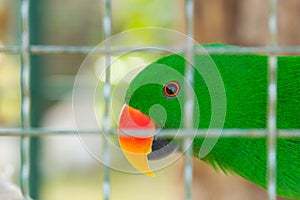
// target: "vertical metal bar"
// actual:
[[26, 98], [189, 101], [272, 102], [107, 26]]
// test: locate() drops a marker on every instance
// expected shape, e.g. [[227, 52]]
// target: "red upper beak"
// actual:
[[135, 148]]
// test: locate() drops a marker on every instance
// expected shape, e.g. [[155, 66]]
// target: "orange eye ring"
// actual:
[[171, 89]]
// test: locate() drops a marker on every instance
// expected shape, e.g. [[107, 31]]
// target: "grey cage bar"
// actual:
[[25, 49], [188, 110], [272, 100], [26, 99], [107, 26]]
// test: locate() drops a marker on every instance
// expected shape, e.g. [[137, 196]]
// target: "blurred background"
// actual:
[[64, 170]]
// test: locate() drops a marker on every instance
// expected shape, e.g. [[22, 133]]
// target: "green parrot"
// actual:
[[155, 99]]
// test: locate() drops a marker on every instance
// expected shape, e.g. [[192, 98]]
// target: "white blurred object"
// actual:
[[8, 191], [65, 151]]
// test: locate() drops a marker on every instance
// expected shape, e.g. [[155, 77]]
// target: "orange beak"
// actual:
[[134, 148]]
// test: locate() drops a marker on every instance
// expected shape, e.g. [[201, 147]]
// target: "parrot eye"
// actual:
[[171, 89]]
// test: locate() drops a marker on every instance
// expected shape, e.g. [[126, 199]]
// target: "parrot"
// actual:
[[155, 97]]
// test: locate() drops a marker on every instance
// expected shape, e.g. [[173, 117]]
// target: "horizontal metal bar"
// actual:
[[10, 49], [181, 133], [49, 49], [253, 50], [52, 49]]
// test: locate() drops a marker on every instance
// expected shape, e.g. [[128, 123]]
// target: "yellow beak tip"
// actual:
[[150, 174], [139, 161]]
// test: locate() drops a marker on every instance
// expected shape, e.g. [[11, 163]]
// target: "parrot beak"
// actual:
[[134, 148]]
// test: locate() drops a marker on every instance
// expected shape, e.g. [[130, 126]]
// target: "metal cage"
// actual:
[[25, 49]]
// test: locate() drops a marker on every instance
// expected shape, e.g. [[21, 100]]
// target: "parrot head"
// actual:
[[154, 101]]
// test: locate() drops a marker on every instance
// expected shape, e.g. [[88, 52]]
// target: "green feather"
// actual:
[[245, 81]]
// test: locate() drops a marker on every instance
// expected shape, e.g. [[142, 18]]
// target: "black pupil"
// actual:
[[171, 89]]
